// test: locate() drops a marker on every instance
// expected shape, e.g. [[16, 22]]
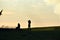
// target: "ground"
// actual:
[[35, 34]]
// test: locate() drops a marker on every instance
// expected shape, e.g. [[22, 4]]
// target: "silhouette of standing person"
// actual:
[[18, 27], [29, 24]]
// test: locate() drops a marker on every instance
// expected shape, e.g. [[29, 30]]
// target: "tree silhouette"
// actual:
[[1, 12]]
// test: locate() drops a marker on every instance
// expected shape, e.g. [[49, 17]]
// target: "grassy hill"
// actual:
[[43, 33]]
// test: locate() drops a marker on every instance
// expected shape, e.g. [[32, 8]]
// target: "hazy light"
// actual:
[[21, 11], [57, 9]]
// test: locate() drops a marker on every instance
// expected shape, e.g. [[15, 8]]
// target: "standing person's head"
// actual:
[[29, 21]]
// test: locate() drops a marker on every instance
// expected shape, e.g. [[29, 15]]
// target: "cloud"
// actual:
[[57, 9], [52, 2]]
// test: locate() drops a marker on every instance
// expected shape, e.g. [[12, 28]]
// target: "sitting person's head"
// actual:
[[18, 24]]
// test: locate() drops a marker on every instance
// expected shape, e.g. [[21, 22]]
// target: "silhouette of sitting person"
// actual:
[[29, 24], [18, 27]]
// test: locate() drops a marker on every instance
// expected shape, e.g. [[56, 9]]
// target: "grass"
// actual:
[[47, 33]]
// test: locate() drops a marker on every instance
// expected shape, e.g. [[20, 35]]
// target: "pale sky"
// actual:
[[40, 12]]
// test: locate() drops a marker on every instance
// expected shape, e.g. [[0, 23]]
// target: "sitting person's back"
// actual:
[[18, 27]]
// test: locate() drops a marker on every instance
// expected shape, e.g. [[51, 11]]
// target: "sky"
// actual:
[[42, 13]]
